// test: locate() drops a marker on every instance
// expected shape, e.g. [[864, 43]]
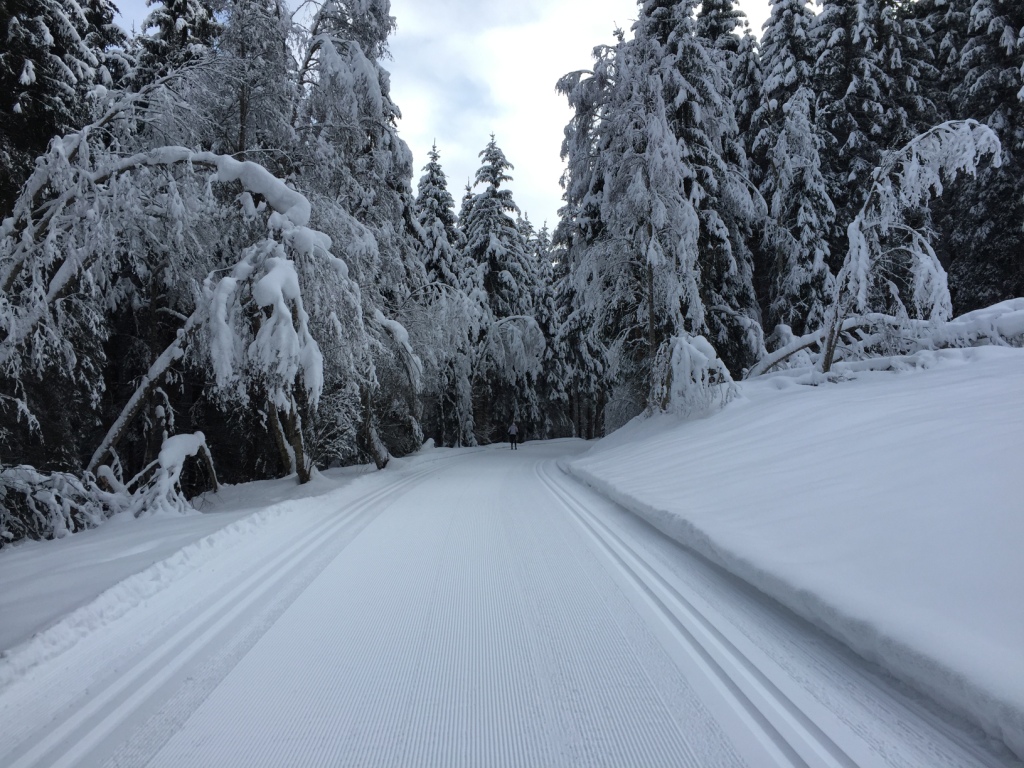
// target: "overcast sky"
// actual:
[[463, 69]]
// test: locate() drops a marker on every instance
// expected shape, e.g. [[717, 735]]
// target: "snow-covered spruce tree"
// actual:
[[986, 234], [511, 343], [175, 33], [354, 164], [48, 64], [870, 59], [702, 116], [718, 22], [794, 255], [452, 313], [579, 229], [747, 80], [582, 357], [634, 196], [800, 213], [554, 371]]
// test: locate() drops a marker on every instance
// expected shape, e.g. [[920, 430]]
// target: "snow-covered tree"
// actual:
[[870, 59], [554, 371], [511, 343], [891, 276], [48, 64], [250, 92], [747, 78], [986, 226], [452, 309], [701, 113], [634, 195], [174, 33], [800, 215], [718, 22], [353, 161], [787, 151]]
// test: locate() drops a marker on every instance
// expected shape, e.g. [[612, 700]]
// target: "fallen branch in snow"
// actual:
[[999, 325]]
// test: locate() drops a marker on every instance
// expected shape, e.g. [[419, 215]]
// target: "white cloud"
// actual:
[[463, 69]]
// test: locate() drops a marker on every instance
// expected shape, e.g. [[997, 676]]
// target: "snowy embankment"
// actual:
[[887, 509], [55, 592]]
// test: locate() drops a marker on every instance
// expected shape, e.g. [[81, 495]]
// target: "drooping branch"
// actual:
[[907, 179]]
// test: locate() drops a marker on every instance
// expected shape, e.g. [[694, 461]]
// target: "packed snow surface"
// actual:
[[479, 607], [887, 508]]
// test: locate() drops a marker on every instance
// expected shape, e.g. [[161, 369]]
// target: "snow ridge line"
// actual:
[[115, 602], [159, 665], [1001, 719], [796, 739]]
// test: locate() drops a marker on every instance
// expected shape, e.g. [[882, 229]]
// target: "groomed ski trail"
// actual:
[[480, 610]]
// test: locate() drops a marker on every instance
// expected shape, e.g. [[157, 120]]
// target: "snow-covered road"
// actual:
[[477, 609]]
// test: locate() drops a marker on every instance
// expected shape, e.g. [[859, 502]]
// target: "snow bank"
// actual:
[[57, 592], [887, 510]]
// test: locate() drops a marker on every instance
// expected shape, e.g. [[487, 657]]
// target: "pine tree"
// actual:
[[870, 59], [702, 116], [718, 22], [799, 214], [175, 33], [452, 311], [580, 232], [748, 78], [494, 241], [631, 223], [554, 375], [435, 212]]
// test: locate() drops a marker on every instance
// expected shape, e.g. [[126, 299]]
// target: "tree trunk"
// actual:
[[651, 349], [286, 426], [368, 436]]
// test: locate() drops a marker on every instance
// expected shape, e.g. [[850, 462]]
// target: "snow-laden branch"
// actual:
[[884, 251], [25, 236]]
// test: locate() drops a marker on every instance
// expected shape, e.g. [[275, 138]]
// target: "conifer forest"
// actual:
[[219, 262]]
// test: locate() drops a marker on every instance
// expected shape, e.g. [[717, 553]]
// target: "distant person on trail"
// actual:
[[513, 435]]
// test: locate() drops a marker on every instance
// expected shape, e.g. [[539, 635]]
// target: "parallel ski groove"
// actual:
[[768, 707], [158, 665], [654, 731]]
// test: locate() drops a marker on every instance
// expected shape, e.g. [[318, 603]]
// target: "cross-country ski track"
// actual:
[[476, 609]]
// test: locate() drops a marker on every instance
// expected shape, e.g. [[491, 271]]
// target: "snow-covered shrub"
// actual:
[[689, 377], [40, 505], [157, 488]]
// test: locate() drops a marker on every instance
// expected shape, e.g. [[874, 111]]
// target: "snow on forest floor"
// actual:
[[44, 581], [887, 509]]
